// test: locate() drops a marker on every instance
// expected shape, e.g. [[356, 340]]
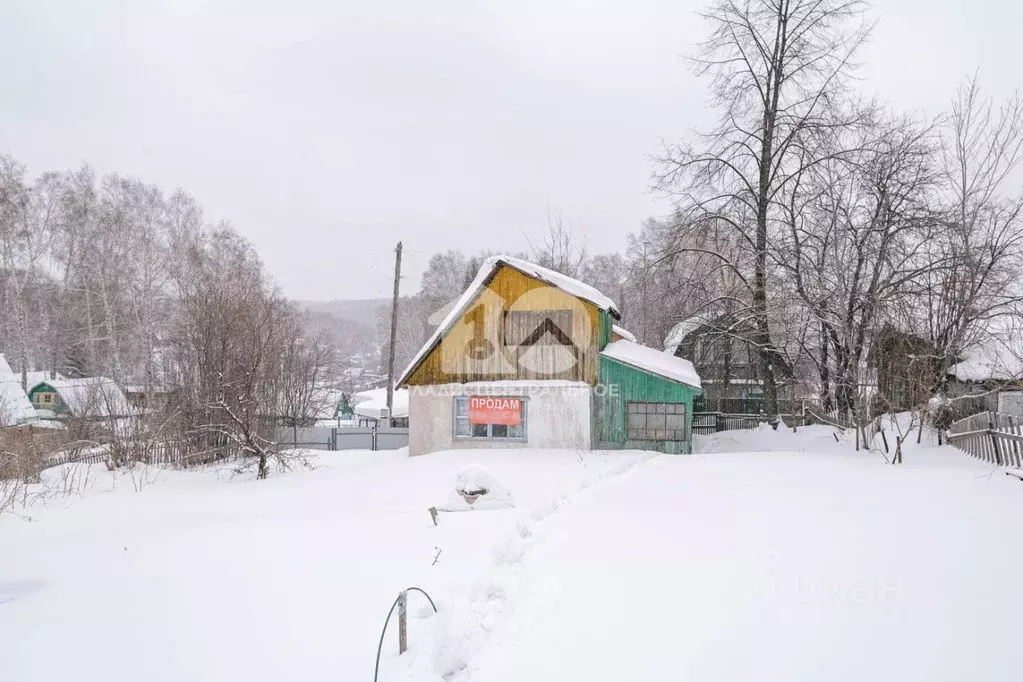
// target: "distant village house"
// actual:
[[83, 398]]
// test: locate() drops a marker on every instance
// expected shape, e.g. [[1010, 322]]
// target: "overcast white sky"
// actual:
[[326, 131]]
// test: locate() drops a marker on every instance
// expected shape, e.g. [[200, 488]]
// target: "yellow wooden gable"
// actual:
[[516, 327]]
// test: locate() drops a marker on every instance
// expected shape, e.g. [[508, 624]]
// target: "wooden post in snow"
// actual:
[[394, 329], [994, 439], [402, 623]]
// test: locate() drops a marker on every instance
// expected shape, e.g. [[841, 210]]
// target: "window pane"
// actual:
[[499, 431], [479, 430], [655, 421], [633, 408], [462, 426], [673, 421], [462, 406], [516, 432]]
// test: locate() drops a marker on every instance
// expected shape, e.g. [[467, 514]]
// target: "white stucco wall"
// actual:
[[557, 415]]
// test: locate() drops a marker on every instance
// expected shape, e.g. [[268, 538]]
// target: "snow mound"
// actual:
[[918, 447], [476, 489]]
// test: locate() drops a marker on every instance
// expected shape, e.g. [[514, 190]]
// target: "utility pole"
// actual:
[[394, 330], [644, 294]]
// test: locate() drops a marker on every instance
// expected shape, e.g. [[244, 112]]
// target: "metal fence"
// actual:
[[344, 438], [746, 406], [180, 454], [990, 436], [712, 422]]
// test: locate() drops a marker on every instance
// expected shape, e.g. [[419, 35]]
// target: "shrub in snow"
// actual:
[[940, 412], [476, 488]]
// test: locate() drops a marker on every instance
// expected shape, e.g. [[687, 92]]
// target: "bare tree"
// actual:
[[560, 250], [858, 225], [778, 69], [982, 242]]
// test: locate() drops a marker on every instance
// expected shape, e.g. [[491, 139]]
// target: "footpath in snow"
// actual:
[[774, 556], [198, 576]]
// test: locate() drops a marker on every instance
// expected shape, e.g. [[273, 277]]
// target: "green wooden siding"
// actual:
[[38, 390], [604, 327], [620, 384]]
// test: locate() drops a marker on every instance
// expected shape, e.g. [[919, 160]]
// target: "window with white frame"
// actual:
[[656, 421], [490, 417]]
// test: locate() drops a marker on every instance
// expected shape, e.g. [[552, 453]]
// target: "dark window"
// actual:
[[656, 421]]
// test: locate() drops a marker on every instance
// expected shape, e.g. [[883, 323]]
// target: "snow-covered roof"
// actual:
[[37, 377], [652, 360], [623, 332], [90, 396], [998, 358], [34, 377], [372, 404], [142, 388], [44, 423], [325, 401], [565, 283], [683, 329], [15, 407]]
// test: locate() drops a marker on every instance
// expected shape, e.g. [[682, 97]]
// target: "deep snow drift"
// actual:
[[803, 560]]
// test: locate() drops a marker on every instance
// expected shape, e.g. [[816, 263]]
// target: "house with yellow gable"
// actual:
[[528, 357]]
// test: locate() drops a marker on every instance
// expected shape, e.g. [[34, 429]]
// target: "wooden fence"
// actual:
[[990, 436], [164, 453]]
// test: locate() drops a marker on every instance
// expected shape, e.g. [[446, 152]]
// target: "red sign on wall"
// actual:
[[483, 410]]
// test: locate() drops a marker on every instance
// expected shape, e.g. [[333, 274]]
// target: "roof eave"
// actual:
[[652, 372], [441, 333]]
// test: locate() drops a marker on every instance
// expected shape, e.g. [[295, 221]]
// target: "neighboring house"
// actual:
[[529, 357], [728, 365], [903, 367], [992, 370], [148, 397], [88, 397], [15, 407], [370, 407], [344, 410], [330, 407]]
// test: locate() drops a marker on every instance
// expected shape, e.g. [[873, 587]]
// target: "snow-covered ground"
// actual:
[[200, 577], [774, 556]]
